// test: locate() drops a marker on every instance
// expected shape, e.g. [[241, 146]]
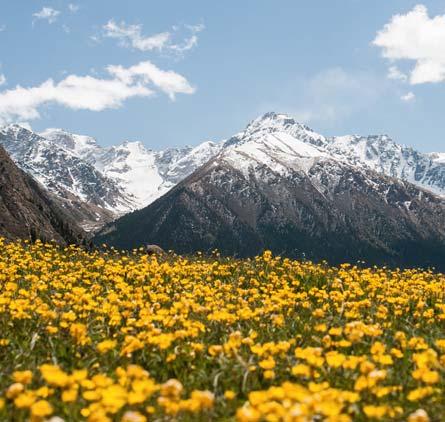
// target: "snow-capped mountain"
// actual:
[[103, 183], [279, 185], [83, 146], [377, 152], [142, 173], [148, 174]]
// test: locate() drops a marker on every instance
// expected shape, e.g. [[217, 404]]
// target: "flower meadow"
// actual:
[[120, 336]]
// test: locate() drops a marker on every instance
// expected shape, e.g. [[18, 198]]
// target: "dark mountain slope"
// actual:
[[28, 211], [299, 207]]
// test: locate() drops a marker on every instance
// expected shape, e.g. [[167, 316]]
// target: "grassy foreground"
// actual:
[[110, 336]]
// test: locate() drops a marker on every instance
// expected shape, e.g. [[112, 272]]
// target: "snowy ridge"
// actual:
[[141, 173], [438, 157], [278, 141]]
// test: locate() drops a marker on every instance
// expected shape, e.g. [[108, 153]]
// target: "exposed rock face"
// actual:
[[28, 211], [289, 195]]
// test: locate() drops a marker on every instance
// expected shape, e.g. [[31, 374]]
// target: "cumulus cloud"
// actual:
[[169, 82], [47, 13], [131, 36], [395, 74], [416, 37], [92, 93], [2, 79], [408, 97]]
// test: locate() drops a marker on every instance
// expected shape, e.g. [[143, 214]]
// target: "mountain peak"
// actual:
[[14, 129], [80, 144], [280, 122], [271, 118], [133, 145]]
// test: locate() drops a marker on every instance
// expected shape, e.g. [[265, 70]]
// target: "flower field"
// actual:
[[108, 336]]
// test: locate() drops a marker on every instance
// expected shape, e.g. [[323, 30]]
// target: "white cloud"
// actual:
[[92, 93], [73, 8], [169, 82], [131, 36], [47, 13], [2, 28], [2, 79], [408, 97], [395, 74], [416, 37]]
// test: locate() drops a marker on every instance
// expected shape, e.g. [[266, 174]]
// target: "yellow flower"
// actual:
[[430, 377], [440, 344], [420, 393], [69, 396], [267, 363], [269, 374], [229, 394], [106, 345], [336, 331], [215, 350], [114, 398], [24, 377], [24, 400], [53, 375], [52, 330], [80, 334], [335, 359], [41, 408], [131, 344], [44, 392], [321, 328], [301, 370], [376, 412]]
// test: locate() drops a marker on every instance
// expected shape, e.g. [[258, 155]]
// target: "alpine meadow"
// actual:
[[121, 336]]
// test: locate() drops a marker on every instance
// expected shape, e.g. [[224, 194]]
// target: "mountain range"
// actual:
[[99, 184], [277, 184]]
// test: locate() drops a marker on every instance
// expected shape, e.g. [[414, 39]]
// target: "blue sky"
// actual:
[[185, 72]]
